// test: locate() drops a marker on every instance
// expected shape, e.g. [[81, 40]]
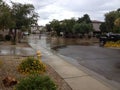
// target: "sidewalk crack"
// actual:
[[76, 77]]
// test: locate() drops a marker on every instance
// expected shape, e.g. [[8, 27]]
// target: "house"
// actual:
[[37, 29], [96, 26]]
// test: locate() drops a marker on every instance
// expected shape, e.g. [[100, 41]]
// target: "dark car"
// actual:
[[111, 37]]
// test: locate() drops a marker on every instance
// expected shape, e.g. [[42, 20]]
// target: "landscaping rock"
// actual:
[[9, 81]]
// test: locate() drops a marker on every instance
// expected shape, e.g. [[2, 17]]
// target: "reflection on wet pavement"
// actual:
[[103, 61], [12, 50]]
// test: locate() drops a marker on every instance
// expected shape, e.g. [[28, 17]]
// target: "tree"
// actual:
[[85, 19], [18, 17], [48, 27], [23, 15], [55, 26], [117, 22], [5, 16], [84, 25], [82, 28], [67, 25], [103, 27], [77, 29], [117, 25], [118, 9], [71, 26], [110, 18]]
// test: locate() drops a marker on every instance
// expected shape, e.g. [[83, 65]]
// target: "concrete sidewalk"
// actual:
[[76, 78]]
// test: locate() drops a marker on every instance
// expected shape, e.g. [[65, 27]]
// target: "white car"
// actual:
[[25, 33]]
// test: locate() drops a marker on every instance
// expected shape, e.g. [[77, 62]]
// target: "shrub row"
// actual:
[[36, 79], [31, 65], [36, 82], [112, 44]]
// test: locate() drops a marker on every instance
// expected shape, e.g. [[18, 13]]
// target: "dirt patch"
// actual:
[[9, 43]]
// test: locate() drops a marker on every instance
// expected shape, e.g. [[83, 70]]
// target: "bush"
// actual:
[[31, 65], [8, 37], [112, 44], [36, 82]]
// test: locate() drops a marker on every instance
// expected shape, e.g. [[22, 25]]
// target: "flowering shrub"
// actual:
[[36, 82], [31, 65], [113, 44]]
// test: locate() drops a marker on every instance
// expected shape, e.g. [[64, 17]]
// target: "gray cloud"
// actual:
[[62, 9]]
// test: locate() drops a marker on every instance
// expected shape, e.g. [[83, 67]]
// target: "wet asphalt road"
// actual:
[[104, 61]]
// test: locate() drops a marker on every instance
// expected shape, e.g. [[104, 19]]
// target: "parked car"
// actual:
[[111, 37], [26, 33]]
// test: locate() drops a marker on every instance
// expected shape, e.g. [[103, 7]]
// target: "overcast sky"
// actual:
[[65, 9]]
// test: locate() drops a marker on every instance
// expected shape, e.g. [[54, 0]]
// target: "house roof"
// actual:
[[96, 21]]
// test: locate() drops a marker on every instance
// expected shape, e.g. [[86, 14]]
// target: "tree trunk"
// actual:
[[14, 38]]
